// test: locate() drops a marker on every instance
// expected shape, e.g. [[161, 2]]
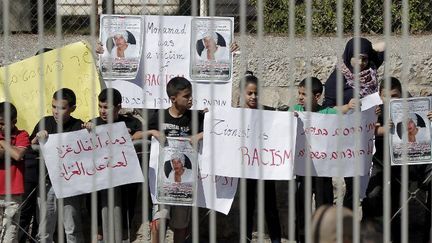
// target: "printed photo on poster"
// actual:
[[211, 58], [122, 40], [177, 170], [411, 131]]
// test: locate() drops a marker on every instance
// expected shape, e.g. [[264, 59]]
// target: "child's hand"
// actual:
[[88, 125], [429, 115], [42, 135], [378, 110], [99, 48], [158, 135], [194, 140], [352, 104], [234, 48], [390, 124]]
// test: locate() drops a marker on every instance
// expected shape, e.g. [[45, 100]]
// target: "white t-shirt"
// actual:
[[130, 52], [187, 176], [222, 54]]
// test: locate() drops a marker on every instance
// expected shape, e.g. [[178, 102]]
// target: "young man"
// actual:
[[63, 104], [15, 148], [124, 196], [177, 123], [321, 186]]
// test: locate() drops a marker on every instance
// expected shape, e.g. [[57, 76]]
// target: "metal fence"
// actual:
[[293, 18]]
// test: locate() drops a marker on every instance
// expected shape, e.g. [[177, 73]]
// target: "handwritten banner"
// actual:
[[213, 192], [252, 149], [167, 54], [71, 67], [336, 143], [84, 162]]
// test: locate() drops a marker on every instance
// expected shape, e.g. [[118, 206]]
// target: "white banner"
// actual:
[[167, 53], [213, 192], [81, 162], [336, 143], [249, 143]]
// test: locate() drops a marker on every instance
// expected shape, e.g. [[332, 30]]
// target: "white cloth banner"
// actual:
[[213, 192], [169, 42], [249, 143], [336, 143], [81, 162]]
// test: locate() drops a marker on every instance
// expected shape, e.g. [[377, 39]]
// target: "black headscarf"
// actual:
[[365, 48]]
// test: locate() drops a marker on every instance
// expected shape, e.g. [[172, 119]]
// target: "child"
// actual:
[[63, 104], [124, 196], [177, 123], [250, 99], [16, 148], [321, 186]]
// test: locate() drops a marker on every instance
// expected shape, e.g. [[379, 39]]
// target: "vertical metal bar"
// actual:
[[308, 167], [405, 71], [339, 101], [292, 184], [42, 172], [386, 159], [356, 183], [204, 7]]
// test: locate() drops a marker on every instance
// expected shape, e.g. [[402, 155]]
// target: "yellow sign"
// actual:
[[72, 66]]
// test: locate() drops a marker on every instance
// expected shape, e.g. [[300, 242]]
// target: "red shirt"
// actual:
[[19, 138]]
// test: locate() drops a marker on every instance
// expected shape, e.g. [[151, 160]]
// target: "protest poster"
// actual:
[[122, 40], [71, 66], [81, 162], [166, 54], [213, 192], [410, 134], [335, 145], [249, 143], [211, 58]]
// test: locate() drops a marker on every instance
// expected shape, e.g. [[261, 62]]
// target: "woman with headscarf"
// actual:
[[370, 58]]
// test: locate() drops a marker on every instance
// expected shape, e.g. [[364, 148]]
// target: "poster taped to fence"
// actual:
[[250, 149], [166, 54], [81, 162], [213, 192], [122, 40], [337, 146], [410, 133], [71, 66], [211, 58]]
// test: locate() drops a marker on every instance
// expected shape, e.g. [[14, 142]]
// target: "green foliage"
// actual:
[[324, 16]]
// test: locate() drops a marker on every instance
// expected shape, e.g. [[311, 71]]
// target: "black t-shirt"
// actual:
[[133, 124], [51, 126], [176, 127], [32, 163]]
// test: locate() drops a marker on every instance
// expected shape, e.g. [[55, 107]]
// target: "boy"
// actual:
[[177, 123], [124, 196], [16, 148], [372, 205], [63, 104], [321, 186]]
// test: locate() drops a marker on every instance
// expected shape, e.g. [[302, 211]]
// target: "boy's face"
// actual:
[[183, 99], [61, 110], [177, 166], [106, 110], [251, 96], [3, 125], [394, 94], [303, 99]]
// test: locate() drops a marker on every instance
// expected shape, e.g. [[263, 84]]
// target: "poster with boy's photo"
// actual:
[[410, 132], [122, 40], [211, 58], [177, 172]]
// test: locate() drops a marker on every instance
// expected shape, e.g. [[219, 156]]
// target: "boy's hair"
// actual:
[[250, 78], [317, 86], [177, 84], [13, 111], [394, 84], [65, 94], [116, 96]]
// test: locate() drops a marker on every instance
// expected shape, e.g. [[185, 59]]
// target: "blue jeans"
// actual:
[[71, 218]]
